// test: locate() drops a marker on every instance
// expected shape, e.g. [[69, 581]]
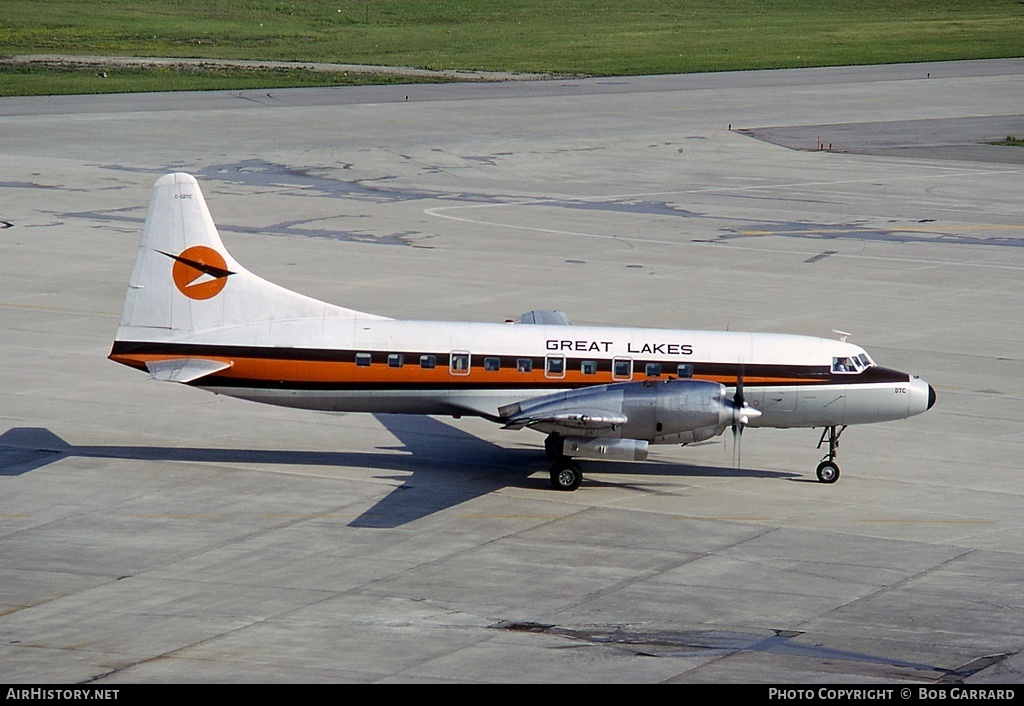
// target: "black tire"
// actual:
[[828, 471], [566, 474]]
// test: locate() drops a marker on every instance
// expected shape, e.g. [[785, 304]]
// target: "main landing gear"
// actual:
[[828, 469], [566, 474]]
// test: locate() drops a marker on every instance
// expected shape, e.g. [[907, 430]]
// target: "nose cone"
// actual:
[[922, 396]]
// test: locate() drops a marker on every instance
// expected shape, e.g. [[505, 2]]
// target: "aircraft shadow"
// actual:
[[439, 466]]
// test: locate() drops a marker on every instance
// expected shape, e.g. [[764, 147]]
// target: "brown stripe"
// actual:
[[325, 372]]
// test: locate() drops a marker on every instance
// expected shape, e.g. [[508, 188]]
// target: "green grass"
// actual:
[[52, 80], [595, 37]]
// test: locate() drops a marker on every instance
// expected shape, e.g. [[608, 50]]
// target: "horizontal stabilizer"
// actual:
[[184, 370]]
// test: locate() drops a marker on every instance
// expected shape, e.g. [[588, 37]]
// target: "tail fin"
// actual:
[[186, 283]]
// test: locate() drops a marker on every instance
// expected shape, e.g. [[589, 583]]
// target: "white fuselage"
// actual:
[[425, 367]]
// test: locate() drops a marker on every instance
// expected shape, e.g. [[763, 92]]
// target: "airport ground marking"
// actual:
[[944, 172]]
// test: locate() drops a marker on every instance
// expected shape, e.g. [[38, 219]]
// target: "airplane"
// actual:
[[193, 315]]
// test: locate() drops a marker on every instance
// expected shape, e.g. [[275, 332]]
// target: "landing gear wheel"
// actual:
[[566, 474], [828, 471], [553, 446]]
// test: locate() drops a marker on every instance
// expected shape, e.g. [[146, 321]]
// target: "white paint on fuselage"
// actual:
[[801, 405], [530, 340]]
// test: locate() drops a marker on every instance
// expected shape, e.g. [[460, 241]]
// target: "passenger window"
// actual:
[[622, 368], [555, 366], [653, 370], [363, 359], [684, 371], [524, 365], [396, 360], [492, 364], [428, 362], [588, 367], [460, 364]]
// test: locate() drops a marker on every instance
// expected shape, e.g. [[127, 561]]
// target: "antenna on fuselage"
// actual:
[[843, 335]]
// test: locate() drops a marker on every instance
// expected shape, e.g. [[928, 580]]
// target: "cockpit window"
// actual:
[[852, 364], [843, 365]]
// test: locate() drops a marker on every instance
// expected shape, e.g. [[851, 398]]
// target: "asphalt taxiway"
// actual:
[[153, 533]]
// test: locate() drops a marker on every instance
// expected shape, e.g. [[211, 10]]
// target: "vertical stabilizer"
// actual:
[[185, 282]]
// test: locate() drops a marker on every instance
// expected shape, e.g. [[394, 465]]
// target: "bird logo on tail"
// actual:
[[199, 272]]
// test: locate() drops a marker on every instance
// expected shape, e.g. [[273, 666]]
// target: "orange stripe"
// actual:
[[302, 371]]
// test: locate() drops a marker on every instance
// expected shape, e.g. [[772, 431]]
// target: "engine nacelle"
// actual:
[[676, 411], [657, 411]]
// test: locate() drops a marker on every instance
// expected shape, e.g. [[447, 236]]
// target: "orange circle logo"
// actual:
[[200, 272]]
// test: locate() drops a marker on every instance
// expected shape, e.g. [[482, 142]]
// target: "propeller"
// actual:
[[742, 413]]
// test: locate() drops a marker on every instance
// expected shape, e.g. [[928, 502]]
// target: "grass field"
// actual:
[[593, 37]]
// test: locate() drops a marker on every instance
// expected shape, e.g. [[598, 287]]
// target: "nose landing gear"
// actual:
[[828, 469]]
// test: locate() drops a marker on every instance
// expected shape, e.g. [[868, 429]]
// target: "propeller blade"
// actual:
[[737, 445], [738, 398], [742, 413]]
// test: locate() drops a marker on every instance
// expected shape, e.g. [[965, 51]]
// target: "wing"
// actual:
[[660, 411], [597, 407], [569, 420]]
